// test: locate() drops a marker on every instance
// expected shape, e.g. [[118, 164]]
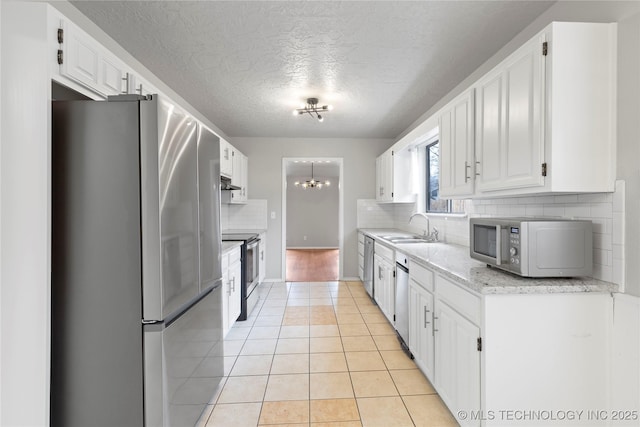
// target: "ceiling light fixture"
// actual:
[[312, 108], [312, 183]]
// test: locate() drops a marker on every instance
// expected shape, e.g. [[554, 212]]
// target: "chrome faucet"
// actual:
[[425, 232]]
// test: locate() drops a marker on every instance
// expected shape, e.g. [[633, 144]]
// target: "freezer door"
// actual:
[[209, 202], [168, 156], [184, 364]]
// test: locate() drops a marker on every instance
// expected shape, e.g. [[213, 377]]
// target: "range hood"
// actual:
[[225, 184]]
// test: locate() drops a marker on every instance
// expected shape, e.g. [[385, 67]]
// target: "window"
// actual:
[[432, 167]]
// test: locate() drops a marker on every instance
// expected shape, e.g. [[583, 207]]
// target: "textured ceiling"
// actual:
[[246, 65]]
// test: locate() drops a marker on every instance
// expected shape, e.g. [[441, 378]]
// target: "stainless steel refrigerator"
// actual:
[[136, 277]]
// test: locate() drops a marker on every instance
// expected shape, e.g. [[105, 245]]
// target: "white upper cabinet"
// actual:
[[239, 176], [384, 179], [456, 122], [509, 111], [393, 177], [545, 117], [139, 86], [86, 62], [226, 160]]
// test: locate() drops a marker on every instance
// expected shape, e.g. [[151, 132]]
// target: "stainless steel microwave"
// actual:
[[534, 247]]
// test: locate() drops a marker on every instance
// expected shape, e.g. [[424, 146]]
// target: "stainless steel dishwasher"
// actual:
[[402, 301], [368, 265]]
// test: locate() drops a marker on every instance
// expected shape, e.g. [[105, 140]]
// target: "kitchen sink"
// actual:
[[420, 240], [408, 239]]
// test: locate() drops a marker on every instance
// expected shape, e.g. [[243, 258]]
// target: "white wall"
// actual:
[[265, 182], [25, 217], [312, 216]]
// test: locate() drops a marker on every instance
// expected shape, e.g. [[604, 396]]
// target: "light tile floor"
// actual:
[[321, 354]]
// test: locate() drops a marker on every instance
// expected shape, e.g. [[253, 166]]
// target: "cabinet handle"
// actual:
[[477, 164], [233, 280], [426, 322], [229, 287], [434, 318], [379, 272], [261, 255], [467, 167], [125, 79], [226, 153], [140, 89]]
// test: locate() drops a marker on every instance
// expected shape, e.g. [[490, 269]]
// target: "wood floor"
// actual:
[[312, 265]]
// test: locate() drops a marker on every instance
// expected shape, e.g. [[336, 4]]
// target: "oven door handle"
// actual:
[[498, 245]]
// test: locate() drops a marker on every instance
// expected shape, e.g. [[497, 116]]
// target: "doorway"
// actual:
[[312, 206]]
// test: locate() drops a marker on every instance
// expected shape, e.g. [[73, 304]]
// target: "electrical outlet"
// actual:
[[273, 214]]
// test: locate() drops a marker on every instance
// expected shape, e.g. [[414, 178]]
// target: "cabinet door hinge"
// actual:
[[60, 36], [392, 194], [544, 169], [394, 273], [545, 48], [479, 344], [394, 317], [60, 57]]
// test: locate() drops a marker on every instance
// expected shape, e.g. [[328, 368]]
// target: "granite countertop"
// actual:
[[455, 263], [228, 246]]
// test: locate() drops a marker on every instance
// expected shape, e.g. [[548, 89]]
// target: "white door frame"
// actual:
[[340, 161]]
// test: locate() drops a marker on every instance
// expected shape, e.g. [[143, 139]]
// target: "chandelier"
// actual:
[[312, 108], [312, 183]]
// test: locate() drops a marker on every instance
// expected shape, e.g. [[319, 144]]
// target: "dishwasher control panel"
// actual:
[[402, 259]]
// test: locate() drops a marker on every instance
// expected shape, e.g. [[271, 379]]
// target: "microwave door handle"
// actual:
[[498, 245]]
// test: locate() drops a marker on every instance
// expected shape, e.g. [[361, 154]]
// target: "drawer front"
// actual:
[[421, 275], [384, 252], [464, 302]]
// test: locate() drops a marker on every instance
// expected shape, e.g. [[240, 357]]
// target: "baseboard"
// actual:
[[350, 279]]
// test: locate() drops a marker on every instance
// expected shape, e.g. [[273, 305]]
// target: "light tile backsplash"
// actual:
[[372, 214], [249, 216], [604, 210]]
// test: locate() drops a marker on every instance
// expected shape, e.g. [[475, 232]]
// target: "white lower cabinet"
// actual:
[[488, 355], [421, 327], [457, 362], [384, 283], [444, 341], [231, 283]]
